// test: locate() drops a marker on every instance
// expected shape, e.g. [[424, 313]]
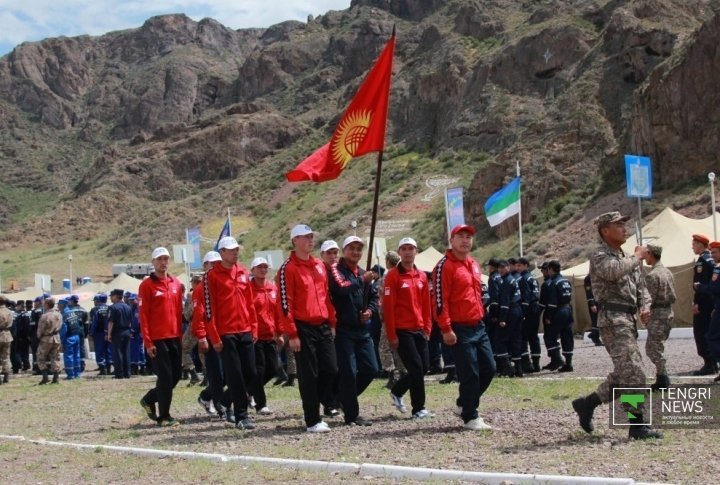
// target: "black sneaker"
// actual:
[[359, 421], [245, 423], [331, 412], [150, 410]]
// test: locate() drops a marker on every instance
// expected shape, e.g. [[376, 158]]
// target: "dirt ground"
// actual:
[[535, 431]]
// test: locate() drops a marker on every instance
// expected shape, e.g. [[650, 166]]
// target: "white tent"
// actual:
[[427, 259], [673, 232], [125, 282]]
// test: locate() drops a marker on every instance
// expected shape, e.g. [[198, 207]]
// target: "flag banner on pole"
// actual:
[[225, 232], [504, 203], [454, 210], [361, 129], [193, 239]]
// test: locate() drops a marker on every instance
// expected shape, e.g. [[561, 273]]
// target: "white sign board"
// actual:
[[42, 281], [183, 253]]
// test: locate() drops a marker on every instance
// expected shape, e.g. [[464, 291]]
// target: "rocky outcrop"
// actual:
[[675, 119]]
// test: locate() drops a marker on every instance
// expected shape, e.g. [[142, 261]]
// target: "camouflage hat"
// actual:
[[656, 251], [609, 218]]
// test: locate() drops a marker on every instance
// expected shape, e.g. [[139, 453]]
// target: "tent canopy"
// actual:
[[673, 232]]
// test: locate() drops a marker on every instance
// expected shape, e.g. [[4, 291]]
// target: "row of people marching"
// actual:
[[321, 312]]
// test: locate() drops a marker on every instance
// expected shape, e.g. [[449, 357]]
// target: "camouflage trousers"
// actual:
[[658, 332], [618, 333], [49, 351], [189, 341], [291, 366], [5, 356], [389, 358]]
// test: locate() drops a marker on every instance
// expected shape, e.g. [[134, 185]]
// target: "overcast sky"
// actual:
[[32, 20]]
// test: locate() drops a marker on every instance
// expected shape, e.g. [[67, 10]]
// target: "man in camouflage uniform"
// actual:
[[661, 286], [6, 321], [49, 341], [620, 293]]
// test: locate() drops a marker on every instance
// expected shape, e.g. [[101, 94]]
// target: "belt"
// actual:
[[564, 305], [661, 305], [619, 307]]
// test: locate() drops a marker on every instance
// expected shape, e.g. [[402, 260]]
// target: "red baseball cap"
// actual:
[[462, 227]]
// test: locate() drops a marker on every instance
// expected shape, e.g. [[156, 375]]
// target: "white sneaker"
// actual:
[[423, 414], [457, 411], [398, 403], [207, 406], [477, 424], [265, 410], [320, 427]]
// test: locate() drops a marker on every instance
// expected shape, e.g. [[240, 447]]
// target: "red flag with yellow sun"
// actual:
[[361, 129]]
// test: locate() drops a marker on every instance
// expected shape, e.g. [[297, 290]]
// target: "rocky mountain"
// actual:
[[124, 140]]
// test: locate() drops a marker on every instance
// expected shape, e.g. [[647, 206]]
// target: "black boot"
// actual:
[[536, 364], [103, 371], [505, 369], [585, 407], [661, 382], [707, 369], [194, 378], [450, 377], [56, 378], [185, 375], [555, 360], [595, 337], [527, 366], [45, 379], [567, 367], [133, 369], [6, 378], [290, 382], [518, 368], [205, 382], [641, 431]]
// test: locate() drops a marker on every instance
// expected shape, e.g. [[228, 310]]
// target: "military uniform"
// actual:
[[530, 293], [560, 318], [620, 292], [701, 320], [592, 309], [661, 286], [6, 321], [48, 334]]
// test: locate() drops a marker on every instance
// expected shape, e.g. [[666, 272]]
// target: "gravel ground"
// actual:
[[535, 431]]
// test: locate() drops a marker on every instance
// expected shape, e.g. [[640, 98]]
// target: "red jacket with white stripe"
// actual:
[[457, 291], [160, 303], [406, 301], [304, 294], [230, 299], [265, 299]]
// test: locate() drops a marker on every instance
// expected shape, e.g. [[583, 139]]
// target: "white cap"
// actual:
[[352, 239], [407, 240], [300, 230], [258, 262], [228, 242], [329, 244], [161, 251], [211, 257]]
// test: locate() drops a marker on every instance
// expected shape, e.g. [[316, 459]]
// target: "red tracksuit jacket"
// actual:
[[457, 291], [265, 299], [230, 299], [160, 303], [304, 294], [406, 301]]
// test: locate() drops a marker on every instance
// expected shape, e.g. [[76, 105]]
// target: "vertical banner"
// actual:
[[638, 172], [193, 239], [454, 211]]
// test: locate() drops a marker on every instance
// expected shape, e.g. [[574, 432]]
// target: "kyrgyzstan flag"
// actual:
[[361, 129]]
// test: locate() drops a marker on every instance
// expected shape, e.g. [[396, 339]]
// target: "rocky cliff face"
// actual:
[[177, 110]]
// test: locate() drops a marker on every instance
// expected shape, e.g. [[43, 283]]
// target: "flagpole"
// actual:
[[517, 166], [373, 222], [229, 223]]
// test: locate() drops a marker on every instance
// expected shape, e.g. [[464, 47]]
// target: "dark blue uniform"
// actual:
[[121, 316], [493, 306], [508, 338], [530, 293], [559, 314], [712, 289], [98, 331], [702, 274]]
